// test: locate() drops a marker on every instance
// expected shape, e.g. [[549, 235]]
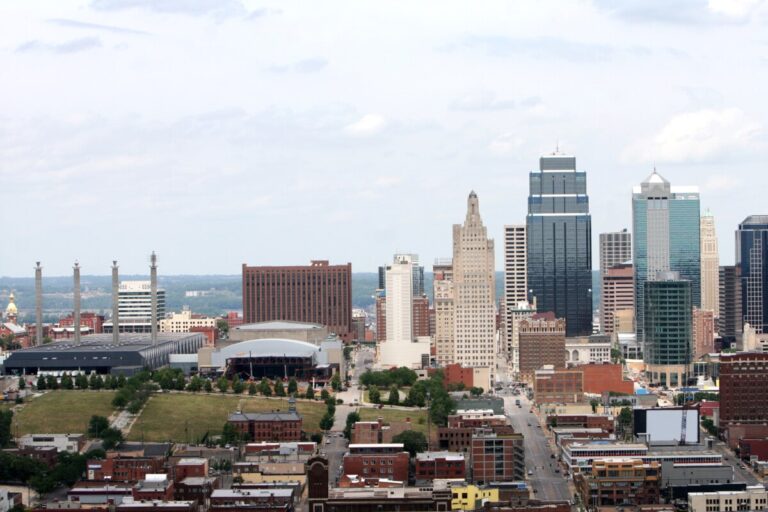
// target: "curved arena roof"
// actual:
[[270, 347]]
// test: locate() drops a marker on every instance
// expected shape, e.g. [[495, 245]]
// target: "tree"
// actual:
[[279, 388], [336, 382], [46, 340], [6, 420], [475, 391], [324, 395], [374, 395], [66, 382], [222, 384], [22, 383], [417, 396], [265, 388], [625, 416], [42, 483], [352, 418], [348, 353], [413, 442], [121, 381], [237, 386], [594, 403], [97, 425], [208, 386], [111, 437], [223, 327], [229, 434], [195, 384], [252, 390], [293, 386], [51, 382], [394, 396], [40, 383], [326, 423], [120, 400], [310, 392], [95, 381], [81, 381]]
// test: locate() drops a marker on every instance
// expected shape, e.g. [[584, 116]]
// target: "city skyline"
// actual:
[[247, 139]]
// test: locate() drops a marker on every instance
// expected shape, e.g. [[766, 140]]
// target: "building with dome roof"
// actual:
[[11, 310]]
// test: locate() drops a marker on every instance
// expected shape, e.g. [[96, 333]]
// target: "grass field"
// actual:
[[181, 417], [62, 412], [418, 416]]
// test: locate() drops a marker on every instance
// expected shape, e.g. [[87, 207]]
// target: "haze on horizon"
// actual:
[[222, 132]]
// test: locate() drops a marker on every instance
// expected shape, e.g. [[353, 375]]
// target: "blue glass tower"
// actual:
[[666, 222], [752, 260], [559, 234]]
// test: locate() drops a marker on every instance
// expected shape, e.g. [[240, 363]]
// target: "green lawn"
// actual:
[[418, 416], [62, 412], [181, 417]]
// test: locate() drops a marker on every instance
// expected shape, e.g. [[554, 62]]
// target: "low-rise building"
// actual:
[[164, 505], [154, 487], [619, 481], [123, 469], [579, 456], [71, 443], [754, 497], [689, 474], [472, 497], [388, 461], [190, 467], [439, 465], [259, 500], [604, 422], [373, 432], [98, 493], [196, 489], [280, 452], [48, 455], [268, 426], [185, 322], [562, 386], [497, 457]]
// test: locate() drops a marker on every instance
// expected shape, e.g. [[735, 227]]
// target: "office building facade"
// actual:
[[666, 224], [442, 273], [559, 249], [617, 294], [317, 293], [474, 291], [542, 342], [515, 280], [668, 336], [730, 322], [752, 260], [710, 266], [134, 303]]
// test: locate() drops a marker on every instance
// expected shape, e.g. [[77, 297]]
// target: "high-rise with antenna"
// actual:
[[153, 293], [76, 323], [38, 304], [115, 303]]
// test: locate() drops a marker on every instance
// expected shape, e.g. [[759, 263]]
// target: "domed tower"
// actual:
[[11, 311]]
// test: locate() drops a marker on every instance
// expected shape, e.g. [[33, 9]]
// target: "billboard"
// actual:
[[663, 425]]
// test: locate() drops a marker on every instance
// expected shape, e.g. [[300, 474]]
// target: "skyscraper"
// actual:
[[515, 280], [420, 301], [444, 318], [134, 305], [752, 260], [617, 294], [665, 222], [710, 265], [474, 290], [668, 334], [418, 274], [559, 231], [730, 322], [615, 249]]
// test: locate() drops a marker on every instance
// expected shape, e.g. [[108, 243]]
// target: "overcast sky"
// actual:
[[218, 132]]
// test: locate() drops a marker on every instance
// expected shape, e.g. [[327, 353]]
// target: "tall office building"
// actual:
[[474, 290], [559, 231], [665, 224], [710, 265], [752, 260], [418, 274], [668, 335], [318, 293], [615, 248], [542, 342], [442, 287], [730, 321], [134, 305], [420, 301], [515, 280], [617, 294]]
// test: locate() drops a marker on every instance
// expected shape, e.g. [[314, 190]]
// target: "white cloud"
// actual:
[[369, 124], [505, 143], [721, 182], [387, 181], [698, 136], [733, 8]]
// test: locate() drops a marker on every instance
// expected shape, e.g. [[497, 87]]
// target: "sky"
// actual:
[[223, 132]]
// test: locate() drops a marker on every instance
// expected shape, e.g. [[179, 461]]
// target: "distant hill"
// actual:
[[223, 293]]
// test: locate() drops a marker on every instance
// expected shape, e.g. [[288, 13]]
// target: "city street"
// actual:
[[544, 482]]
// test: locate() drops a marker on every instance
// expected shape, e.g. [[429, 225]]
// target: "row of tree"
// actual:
[[400, 377], [68, 470]]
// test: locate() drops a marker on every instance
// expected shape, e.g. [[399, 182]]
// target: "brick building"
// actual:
[[618, 481], [599, 378], [562, 386], [197, 489], [420, 319], [601, 421], [65, 328], [497, 457], [703, 332], [541, 342], [268, 426], [48, 455], [124, 469], [440, 465], [190, 467], [154, 487], [376, 432], [456, 436], [743, 381], [618, 294], [388, 461], [318, 293], [753, 447], [252, 500]]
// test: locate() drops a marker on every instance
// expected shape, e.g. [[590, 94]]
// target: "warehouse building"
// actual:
[[98, 353]]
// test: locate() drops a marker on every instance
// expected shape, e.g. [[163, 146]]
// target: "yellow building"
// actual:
[[472, 497]]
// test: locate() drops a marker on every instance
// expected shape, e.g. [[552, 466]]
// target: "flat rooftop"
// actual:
[[127, 342]]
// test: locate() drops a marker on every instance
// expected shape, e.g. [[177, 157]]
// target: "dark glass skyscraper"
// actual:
[[559, 233], [752, 260]]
